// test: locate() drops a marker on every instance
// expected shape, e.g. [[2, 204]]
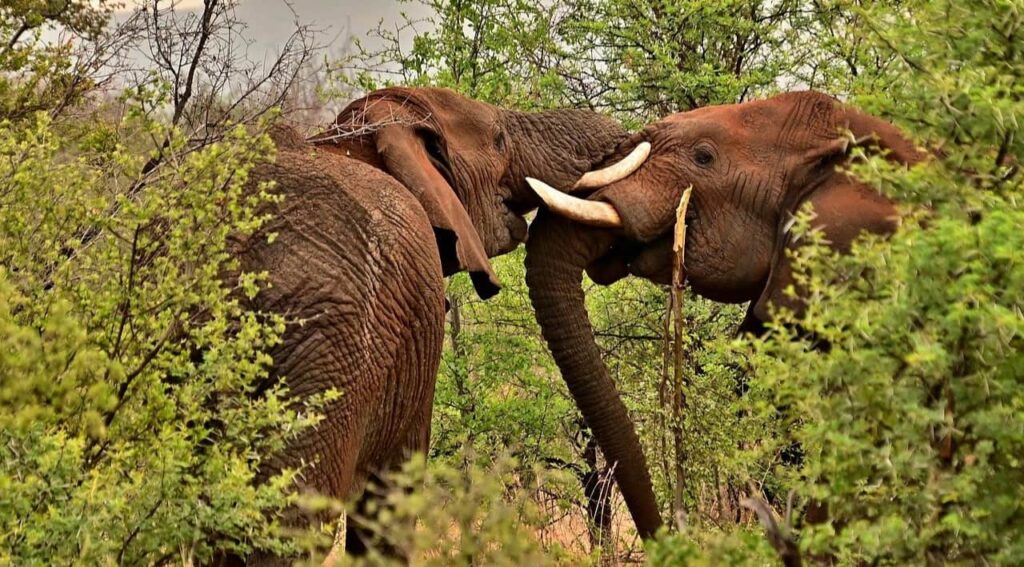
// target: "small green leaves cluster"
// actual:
[[912, 418], [497, 389], [130, 428], [494, 50], [440, 515]]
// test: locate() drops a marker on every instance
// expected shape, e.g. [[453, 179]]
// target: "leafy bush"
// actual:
[[128, 429], [440, 515], [912, 420]]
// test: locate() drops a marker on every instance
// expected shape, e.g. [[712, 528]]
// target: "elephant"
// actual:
[[407, 186], [750, 166]]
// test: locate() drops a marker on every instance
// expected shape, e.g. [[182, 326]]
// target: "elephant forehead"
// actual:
[[720, 124], [461, 118], [758, 117], [792, 119]]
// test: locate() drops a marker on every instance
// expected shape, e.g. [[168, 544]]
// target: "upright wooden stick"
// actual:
[[679, 379]]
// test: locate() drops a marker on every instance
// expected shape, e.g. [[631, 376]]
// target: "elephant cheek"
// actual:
[[727, 277], [609, 268], [654, 263]]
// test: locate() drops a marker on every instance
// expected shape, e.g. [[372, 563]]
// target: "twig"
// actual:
[[679, 379], [15, 37], [778, 537]]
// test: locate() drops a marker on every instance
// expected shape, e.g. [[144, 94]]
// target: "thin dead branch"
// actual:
[[213, 84], [678, 374], [779, 537]]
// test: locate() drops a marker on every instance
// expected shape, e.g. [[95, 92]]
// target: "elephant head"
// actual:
[[750, 166], [466, 161]]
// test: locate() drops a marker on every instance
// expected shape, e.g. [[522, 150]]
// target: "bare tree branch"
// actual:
[[779, 538]]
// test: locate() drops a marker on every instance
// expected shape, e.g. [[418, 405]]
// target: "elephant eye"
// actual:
[[704, 157]]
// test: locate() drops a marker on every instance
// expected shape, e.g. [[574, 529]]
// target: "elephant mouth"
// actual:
[[515, 211], [518, 229], [692, 217], [505, 231]]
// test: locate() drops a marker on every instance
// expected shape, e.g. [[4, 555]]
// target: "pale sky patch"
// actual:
[[129, 5]]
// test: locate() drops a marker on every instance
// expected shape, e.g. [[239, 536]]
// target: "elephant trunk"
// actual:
[[556, 254]]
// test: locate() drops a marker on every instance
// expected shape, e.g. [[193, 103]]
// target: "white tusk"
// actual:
[[615, 172], [593, 213], [789, 224]]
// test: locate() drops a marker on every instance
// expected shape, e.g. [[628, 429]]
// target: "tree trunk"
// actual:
[[597, 487]]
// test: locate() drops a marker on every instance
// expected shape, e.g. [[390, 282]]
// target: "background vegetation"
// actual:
[[121, 181]]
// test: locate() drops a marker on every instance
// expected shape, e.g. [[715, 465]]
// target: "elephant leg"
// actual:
[[329, 454], [361, 536], [360, 533], [335, 475]]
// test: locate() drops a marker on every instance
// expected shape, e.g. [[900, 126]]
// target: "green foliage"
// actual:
[[639, 60], [709, 547], [700, 454], [439, 515], [499, 393], [494, 50], [662, 57], [45, 76], [128, 432], [498, 389], [912, 421], [82, 17]]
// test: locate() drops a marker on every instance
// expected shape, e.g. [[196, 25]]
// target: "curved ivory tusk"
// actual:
[[615, 172], [593, 213]]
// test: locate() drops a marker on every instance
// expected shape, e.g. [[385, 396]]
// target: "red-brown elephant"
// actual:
[[410, 185], [751, 166]]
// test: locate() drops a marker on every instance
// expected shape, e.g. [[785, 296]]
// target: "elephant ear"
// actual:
[[403, 150], [877, 134], [843, 207]]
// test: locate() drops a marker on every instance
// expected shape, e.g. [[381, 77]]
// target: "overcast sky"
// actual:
[[270, 22]]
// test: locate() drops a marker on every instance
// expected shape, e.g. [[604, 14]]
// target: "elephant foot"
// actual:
[[363, 534]]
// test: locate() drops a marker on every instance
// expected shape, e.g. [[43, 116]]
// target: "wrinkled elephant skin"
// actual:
[[408, 186], [751, 167]]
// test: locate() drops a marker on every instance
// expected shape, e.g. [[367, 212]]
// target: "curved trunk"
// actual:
[[556, 254]]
